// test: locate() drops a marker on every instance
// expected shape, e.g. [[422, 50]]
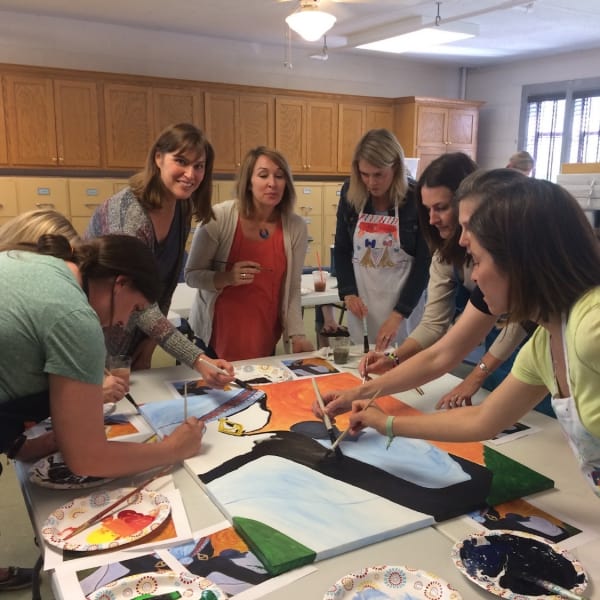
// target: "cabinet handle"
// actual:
[[61, 159], [91, 204], [1, 205], [44, 205], [54, 159]]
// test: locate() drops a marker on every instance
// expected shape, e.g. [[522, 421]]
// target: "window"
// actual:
[[560, 122]]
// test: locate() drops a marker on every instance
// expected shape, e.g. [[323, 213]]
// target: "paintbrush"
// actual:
[[334, 447], [419, 391], [326, 419], [237, 381], [128, 396], [185, 412], [110, 508], [554, 588], [365, 335]]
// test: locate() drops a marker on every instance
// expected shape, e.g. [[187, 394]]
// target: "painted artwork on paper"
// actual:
[[202, 402], [309, 366]]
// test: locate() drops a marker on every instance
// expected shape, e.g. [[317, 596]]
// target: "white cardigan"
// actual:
[[209, 252]]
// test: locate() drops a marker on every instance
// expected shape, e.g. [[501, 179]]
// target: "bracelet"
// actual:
[[389, 430], [392, 355], [484, 367]]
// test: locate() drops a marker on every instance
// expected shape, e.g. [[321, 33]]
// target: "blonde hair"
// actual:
[[28, 227], [380, 148], [521, 161]]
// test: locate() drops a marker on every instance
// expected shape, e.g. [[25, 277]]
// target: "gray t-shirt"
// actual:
[[46, 326]]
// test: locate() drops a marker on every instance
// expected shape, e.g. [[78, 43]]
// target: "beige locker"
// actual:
[[85, 195], [8, 199], [119, 184], [43, 192]]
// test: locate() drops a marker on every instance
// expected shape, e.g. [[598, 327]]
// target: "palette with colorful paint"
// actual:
[[132, 520], [497, 561], [159, 585], [262, 374], [52, 472], [391, 583]]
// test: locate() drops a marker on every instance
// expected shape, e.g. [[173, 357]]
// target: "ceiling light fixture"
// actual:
[[309, 22], [414, 35]]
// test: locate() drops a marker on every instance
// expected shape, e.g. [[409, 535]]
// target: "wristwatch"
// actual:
[[483, 367]]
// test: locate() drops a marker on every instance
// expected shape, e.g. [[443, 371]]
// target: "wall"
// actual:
[[501, 86], [74, 44]]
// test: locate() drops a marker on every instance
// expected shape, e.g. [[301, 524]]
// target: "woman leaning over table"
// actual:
[[381, 258], [535, 257], [157, 207], [247, 265], [56, 299], [27, 228], [450, 282]]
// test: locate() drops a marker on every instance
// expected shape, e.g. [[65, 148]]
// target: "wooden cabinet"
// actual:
[[129, 124], [235, 124], [429, 127], [306, 132], [3, 144], [52, 122], [177, 105], [354, 121]]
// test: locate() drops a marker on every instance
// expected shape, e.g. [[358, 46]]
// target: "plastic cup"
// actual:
[[341, 349], [120, 366], [319, 280]]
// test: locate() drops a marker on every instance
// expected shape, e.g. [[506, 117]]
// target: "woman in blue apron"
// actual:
[[381, 258], [536, 257]]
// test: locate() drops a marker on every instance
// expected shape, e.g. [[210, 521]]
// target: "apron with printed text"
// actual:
[[381, 269], [585, 446]]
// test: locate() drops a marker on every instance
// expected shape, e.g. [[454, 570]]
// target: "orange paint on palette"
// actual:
[[125, 524]]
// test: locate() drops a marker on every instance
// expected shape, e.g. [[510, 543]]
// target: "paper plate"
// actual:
[[135, 518], [493, 559], [393, 583], [262, 373], [52, 472], [152, 585]]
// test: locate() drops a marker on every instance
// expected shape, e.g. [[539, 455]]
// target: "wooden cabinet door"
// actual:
[[30, 120], [3, 143], [351, 126], [77, 123], [431, 126], [462, 128], [172, 105], [129, 124], [290, 132], [322, 137], [257, 123], [379, 117], [222, 129]]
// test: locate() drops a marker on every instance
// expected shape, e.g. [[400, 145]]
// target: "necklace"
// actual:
[[264, 233]]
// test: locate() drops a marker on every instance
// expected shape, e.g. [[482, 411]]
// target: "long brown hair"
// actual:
[[539, 236], [147, 185], [448, 170]]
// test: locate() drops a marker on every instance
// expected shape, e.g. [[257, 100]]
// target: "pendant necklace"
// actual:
[[263, 232]]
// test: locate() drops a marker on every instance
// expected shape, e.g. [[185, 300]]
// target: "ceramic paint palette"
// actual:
[[391, 583], [496, 560]]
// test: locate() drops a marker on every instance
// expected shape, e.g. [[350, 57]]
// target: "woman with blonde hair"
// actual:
[[381, 258], [247, 265]]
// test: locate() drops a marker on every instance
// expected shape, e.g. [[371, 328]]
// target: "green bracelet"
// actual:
[[392, 356], [389, 430]]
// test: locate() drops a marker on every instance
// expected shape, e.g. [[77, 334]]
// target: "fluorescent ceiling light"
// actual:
[[412, 36], [310, 23]]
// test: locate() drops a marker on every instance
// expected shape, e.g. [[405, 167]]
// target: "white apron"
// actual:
[[585, 446], [381, 268]]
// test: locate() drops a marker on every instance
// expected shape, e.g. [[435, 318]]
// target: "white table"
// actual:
[[427, 549], [184, 295]]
